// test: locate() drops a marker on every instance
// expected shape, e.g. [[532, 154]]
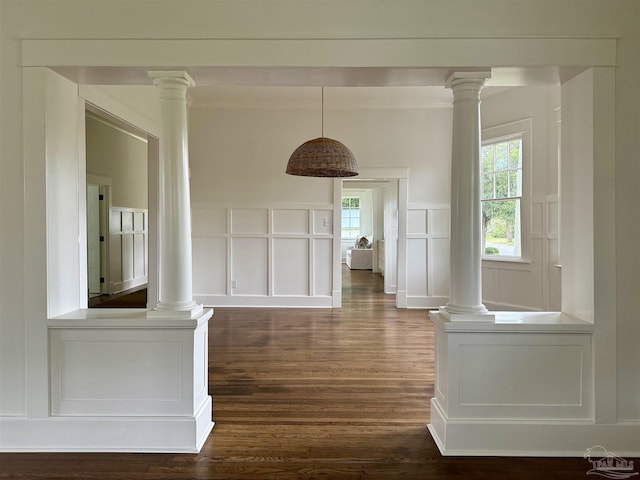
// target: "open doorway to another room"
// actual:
[[117, 212], [369, 235]]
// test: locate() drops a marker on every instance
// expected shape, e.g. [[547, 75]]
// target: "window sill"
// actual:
[[510, 263]]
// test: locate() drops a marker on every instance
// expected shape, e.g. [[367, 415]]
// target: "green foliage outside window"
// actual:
[[501, 181]]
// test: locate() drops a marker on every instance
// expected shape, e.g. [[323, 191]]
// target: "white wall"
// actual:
[[577, 196], [120, 156]]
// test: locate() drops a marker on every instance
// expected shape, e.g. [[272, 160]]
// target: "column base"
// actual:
[[171, 311], [459, 315]]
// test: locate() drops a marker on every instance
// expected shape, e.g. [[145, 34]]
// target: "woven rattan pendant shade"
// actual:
[[322, 157]]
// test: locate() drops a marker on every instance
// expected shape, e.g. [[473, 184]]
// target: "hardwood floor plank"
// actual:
[[311, 394]]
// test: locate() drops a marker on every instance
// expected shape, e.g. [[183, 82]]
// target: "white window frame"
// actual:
[[521, 129]]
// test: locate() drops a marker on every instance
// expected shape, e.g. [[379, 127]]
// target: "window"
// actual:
[[501, 177], [350, 217]]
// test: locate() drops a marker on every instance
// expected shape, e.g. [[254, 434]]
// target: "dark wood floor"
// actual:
[[311, 393]]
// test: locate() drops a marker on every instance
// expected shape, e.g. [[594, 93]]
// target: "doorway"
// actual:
[[97, 236], [117, 163], [384, 224]]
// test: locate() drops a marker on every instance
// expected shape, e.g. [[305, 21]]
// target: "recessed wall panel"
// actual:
[[417, 267], [81, 380], [536, 218], [138, 221], [208, 221], [291, 221], [552, 217], [439, 222], [488, 374], [210, 266], [115, 259], [417, 222], [115, 221], [291, 266], [249, 260], [139, 258], [127, 257], [322, 266], [127, 221], [322, 222], [249, 220], [439, 267]]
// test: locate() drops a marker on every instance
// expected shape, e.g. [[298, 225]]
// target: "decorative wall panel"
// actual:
[[290, 266], [91, 372], [209, 265], [249, 266], [245, 256], [249, 220], [128, 248], [291, 221], [427, 255]]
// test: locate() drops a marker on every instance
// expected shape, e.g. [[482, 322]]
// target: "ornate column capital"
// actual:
[[458, 78], [466, 86], [177, 77]]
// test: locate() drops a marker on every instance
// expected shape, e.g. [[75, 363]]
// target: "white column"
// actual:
[[465, 302], [175, 297]]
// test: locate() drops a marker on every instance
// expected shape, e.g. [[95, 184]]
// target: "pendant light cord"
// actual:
[[322, 115]]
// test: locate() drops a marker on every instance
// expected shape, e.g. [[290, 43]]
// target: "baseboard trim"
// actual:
[[184, 434], [430, 303], [529, 438], [264, 301]]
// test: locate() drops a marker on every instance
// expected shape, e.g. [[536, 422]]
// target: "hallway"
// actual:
[[311, 393]]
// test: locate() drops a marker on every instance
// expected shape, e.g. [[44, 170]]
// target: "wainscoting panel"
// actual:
[[439, 271], [417, 266], [91, 372], [210, 265], [249, 266], [290, 266], [291, 222], [208, 221], [249, 220], [561, 366], [322, 267], [278, 256], [128, 248], [427, 255], [417, 221], [322, 222]]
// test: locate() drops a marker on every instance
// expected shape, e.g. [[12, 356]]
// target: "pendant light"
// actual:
[[322, 157]]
